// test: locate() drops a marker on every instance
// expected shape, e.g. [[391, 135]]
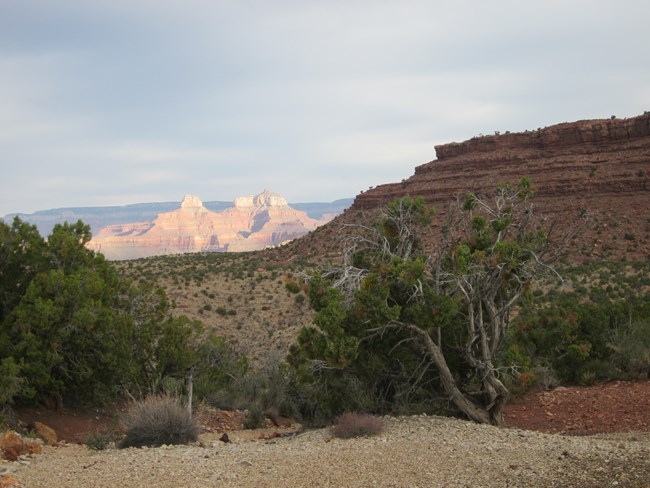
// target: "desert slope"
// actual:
[[601, 167]]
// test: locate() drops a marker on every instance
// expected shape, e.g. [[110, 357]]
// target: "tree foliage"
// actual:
[[408, 325], [585, 335], [343, 364], [73, 329]]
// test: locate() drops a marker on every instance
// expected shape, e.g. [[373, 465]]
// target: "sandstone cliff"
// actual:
[[599, 166], [253, 222]]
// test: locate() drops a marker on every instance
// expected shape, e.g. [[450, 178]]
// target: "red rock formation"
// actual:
[[253, 223], [47, 433], [602, 166], [13, 445]]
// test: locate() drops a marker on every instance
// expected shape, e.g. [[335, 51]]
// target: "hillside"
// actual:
[[241, 296], [258, 303], [601, 167]]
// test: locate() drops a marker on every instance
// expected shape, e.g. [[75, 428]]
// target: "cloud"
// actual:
[[110, 102]]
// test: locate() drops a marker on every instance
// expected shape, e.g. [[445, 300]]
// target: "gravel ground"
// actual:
[[414, 451]]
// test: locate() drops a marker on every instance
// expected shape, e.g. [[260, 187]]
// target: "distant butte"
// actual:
[[253, 222]]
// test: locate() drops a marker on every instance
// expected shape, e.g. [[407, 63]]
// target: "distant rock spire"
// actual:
[[191, 201], [269, 199], [265, 199]]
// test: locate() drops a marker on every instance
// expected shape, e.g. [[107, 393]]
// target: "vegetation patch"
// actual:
[[353, 424], [158, 420]]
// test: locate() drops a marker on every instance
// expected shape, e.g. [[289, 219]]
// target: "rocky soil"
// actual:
[[417, 451]]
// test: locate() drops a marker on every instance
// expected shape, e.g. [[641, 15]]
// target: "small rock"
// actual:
[[48, 434], [8, 481], [13, 446], [245, 463]]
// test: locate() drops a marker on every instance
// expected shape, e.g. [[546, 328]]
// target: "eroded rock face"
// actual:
[[253, 222], [597, 166], [13, 445], [47, 433]]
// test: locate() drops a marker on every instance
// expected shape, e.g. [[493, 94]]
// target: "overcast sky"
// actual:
[[125, 101]]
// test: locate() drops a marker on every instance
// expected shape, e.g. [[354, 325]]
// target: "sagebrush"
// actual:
[[158, 420], [351, 424]]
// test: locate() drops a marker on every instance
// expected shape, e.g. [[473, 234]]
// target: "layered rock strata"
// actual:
[[597, 166], [253, 222]]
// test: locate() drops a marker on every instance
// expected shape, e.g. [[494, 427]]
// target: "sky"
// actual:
[[129, 101]]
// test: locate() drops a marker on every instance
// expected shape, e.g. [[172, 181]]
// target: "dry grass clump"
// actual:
[[99, 439], [352, 424], [158, 420]]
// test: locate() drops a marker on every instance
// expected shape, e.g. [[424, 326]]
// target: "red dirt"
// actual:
[[72, 425], [621, 406]]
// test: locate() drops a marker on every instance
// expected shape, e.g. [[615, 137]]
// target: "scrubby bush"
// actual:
[[254, 418], [352, 424], [158, 420], [631, 349], [98, 440], [292, 286], [600, 331], [267, 392]]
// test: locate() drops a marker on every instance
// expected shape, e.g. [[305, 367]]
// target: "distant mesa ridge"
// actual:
[[599, 167], [253, 222], [578, 160], [556, 137], [100, 217]]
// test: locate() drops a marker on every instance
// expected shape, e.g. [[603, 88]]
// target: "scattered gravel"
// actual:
[[417, 451]]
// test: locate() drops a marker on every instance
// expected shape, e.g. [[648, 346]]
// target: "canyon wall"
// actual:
[[597, 166], [253, 222]]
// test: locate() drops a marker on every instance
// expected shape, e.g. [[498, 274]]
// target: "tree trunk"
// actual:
[[473, 411]]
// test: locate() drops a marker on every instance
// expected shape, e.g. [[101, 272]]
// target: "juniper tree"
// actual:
[[449, 309]]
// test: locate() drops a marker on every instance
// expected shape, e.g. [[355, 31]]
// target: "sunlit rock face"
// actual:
[[253, 222]]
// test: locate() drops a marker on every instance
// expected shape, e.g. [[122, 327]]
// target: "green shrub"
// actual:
[[269, 389], [631, 349], [587, 378], [545, 376], [158, 420], [255, 417], [292, 286], [10, 380], [352, 424], [98, 440]]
